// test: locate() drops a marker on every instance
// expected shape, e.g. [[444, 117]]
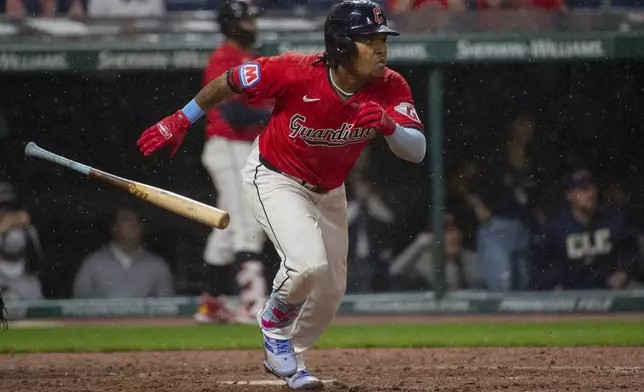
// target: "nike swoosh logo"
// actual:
[[305, 99]]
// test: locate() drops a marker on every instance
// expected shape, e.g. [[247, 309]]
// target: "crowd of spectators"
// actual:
[[509, 225], [121, 268], [81, 9]]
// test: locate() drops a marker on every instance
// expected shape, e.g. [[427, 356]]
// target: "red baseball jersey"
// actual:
[[221, 60], [310, 133]]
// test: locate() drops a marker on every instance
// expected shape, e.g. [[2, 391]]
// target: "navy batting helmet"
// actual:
[[231, 12], [350, 19]]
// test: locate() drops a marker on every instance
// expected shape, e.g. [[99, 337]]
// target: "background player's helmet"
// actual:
[[350, 19], [231, 12]]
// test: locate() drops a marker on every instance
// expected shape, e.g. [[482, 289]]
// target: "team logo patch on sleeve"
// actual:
[[408, 110], [249, 74]]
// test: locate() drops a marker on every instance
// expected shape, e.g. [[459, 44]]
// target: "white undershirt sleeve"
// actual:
[[408, 143]]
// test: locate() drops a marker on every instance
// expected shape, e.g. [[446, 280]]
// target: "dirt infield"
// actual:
[[364, 370], [498, 369]]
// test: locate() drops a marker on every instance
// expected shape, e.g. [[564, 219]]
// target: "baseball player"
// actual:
[[233, 255], [328, 106]]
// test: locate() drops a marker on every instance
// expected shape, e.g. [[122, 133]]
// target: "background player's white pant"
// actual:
[[224, 160], [309, 231]]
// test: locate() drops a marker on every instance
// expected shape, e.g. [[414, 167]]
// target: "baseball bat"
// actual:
[[178, 204]]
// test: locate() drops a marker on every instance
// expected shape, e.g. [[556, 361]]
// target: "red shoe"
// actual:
[[212, 310]]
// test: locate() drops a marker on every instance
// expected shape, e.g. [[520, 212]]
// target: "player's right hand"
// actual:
[[372, 115], [168, 132]]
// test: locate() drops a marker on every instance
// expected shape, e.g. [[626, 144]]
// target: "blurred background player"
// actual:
[[232, 256]]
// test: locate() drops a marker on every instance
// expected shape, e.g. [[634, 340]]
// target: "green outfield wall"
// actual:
[[403, 51], [579, 302]]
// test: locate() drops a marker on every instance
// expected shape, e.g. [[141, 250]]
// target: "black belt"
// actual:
[[307, 185]]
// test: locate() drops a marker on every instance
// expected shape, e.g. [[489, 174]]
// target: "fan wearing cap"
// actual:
[[583, 245], [328, 107], [232, 257]]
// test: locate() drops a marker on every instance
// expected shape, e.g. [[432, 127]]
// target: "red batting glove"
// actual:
[[168, 132], [372, 115]]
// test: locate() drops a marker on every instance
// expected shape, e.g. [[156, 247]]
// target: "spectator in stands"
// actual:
[[370, 218], [552, 5], [397, 6], [503, 199], [616, 197], [123, 268], [19, 9], [413, 268], [21, 255], [126, 8], [583, 245], [461, 180]]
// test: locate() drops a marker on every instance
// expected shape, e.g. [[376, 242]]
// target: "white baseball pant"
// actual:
[[224, 160], [310, 233]]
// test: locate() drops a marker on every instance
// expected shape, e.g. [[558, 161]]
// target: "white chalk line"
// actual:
[[264, 382], [538, 368]]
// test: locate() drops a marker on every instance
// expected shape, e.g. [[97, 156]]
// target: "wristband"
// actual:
[[389, 125], [193, 111]]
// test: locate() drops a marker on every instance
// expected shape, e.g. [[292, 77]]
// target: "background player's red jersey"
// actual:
[[310, 133], [221, 60]]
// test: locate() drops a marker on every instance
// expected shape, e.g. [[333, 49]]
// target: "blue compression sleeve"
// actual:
[[193, 111], [408, 143]]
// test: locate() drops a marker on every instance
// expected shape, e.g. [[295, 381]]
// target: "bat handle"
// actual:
[[33, 150]]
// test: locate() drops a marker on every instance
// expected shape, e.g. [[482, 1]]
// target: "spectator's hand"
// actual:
[[482, 212], [379, 210], [362, 190], [618, 279], [425, 239]]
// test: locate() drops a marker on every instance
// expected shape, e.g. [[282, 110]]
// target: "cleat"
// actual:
[[301, 380], [279, 354], [279, 357], [304, 380]]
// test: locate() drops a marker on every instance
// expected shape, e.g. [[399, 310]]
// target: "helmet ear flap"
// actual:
[[342, 47], [347, 46]]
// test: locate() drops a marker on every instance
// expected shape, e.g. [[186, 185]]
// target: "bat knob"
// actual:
[[225, 220], [31, 148]]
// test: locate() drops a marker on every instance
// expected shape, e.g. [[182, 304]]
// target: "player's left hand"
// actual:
[[372, 115]]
